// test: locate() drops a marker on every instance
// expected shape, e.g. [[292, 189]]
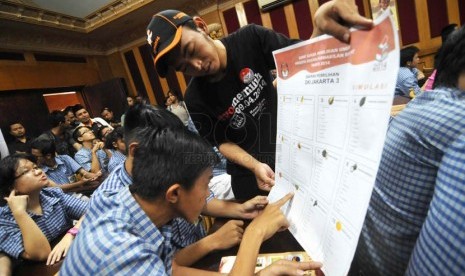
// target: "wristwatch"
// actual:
[[73, 231]]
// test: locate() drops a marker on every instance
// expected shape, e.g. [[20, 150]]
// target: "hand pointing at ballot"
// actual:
[[259, 230], [272, 219]]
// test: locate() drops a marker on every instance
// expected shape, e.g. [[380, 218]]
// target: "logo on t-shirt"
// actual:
[[246, 75], [237, 121]]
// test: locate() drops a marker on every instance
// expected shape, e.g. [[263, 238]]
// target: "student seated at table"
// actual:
[[409, 76], [132, 235], [61, 169], [115, 142], [137, 119], [32, 215], [91, 156]]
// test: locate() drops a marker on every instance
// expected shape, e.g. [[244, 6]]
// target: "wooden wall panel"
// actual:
[[25, 75], [408, 21], [360, 6], [462, 12], [110, 93], [289, 14], [118, 70], [252, 12], [173, 83], [278, 20], [211, 16], [135, 74], [151, 73], [231, 20], [28, 107], [303, 18], [437, 14]]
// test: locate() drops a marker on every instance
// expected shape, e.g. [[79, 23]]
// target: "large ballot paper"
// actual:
[[334, 102]]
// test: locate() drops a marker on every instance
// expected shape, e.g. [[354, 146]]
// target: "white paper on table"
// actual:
[[334, 102]]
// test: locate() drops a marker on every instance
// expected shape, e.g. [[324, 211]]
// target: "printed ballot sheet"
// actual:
[[334, 101]]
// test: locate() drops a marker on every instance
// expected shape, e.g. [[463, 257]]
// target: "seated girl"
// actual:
[[32, 215]]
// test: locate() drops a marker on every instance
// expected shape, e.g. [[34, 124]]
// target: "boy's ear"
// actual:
[[172, 194], [201, 25], [132, 148], [80, 139]]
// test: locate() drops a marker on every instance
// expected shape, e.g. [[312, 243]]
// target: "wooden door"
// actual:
[[111, 94]]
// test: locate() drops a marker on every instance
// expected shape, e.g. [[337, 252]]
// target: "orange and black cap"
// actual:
[[163, 34]]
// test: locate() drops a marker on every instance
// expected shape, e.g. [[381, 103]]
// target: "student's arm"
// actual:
[[259, 230], [62, 247], [71, 187], [263, 173], [5, 265], [335, 16], [36, 246], [89, 175], [412, 82], [223, 208], [95, 165], [226, 237]]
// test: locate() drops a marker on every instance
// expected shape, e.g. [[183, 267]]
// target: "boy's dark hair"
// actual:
[[145, 115], [76, 108], [100, 132], [113, 137], [451, 60], [407, 55], [44, 145], [445, 33], [55, 118], [13, 122], [168, 156], [447, 30], [166, 100], [76, 134], [68, 109], [8, 167], [105, 108]]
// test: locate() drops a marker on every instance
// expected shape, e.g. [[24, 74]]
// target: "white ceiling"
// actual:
[[76, 8]]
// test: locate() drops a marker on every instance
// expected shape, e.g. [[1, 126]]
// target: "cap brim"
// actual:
[[163, 68]]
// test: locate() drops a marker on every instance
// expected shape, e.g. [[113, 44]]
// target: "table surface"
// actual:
[[280, 242]]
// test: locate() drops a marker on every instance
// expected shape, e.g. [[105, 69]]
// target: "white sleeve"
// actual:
[[3, 146]]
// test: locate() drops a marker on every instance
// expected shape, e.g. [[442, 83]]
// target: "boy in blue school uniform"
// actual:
[[133, 234]]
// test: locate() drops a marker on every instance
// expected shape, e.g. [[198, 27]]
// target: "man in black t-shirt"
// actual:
[[231, 98], [83, 116], [58, 134], [21, 142]]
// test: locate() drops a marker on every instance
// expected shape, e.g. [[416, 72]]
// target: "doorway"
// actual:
[[60, 100]]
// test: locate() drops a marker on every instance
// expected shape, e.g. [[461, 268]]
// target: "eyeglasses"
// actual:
[[28, 170], [85, 131]]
